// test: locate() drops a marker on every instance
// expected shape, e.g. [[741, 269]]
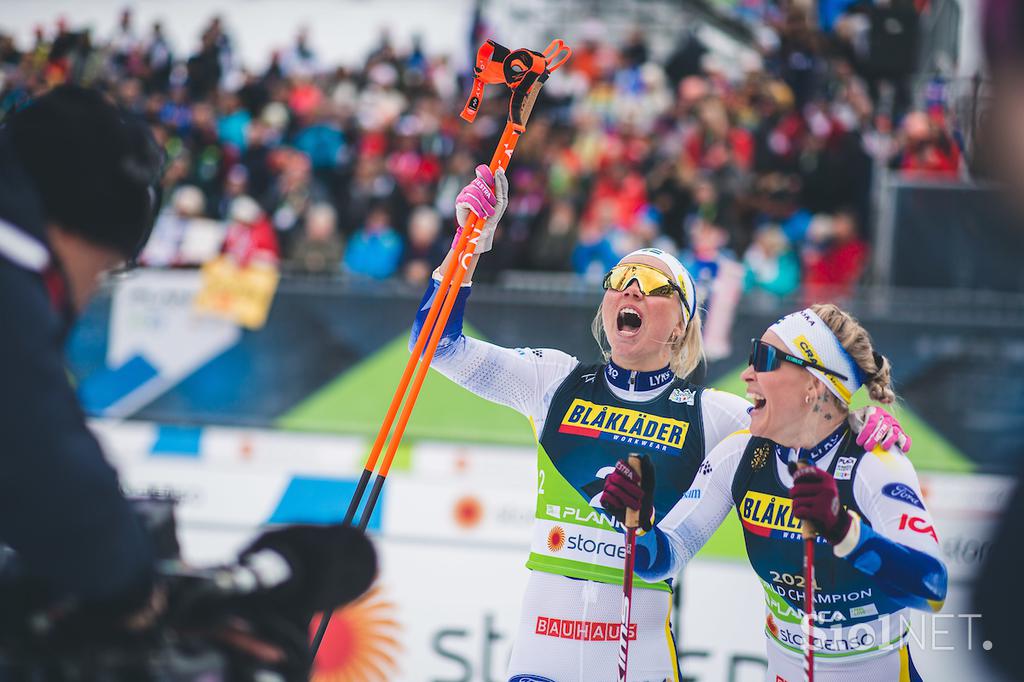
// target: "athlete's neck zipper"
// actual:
[[633, 380], [815, 453]]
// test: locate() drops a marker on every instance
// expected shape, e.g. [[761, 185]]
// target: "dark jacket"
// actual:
[[61, 508]]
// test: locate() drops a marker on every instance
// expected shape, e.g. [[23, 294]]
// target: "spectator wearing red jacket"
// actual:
[[929, 150], [250, 238], [833, 259], [623, 188], [715, 143]]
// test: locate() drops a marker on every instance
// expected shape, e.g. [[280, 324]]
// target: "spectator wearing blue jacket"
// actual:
[[773, 269], [376, 248]]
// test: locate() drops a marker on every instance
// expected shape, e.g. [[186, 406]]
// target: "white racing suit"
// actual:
[[585, 419]]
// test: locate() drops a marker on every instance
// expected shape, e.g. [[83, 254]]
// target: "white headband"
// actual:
[[807, 336], [679, 274]]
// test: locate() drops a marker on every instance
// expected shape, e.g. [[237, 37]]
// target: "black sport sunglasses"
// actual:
[[765, 357]]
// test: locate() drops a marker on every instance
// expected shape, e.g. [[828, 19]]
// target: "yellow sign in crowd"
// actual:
[[240, 294]]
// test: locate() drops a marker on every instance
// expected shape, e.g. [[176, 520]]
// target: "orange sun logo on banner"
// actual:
[[556, 539], [468, 512], [361, 642]]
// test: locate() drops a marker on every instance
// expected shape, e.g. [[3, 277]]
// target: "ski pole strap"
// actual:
[[557, 48], [487, 69], [518, 69]]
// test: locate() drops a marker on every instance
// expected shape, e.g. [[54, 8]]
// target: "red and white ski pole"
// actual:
[[809, 533], [632, 521], [808, 606]]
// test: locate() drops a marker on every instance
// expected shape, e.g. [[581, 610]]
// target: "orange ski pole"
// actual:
[[460, 264], [525, 72], [524, 97], [519, 112]]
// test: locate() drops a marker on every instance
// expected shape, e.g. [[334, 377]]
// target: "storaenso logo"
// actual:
[[579, 543], [529, 678], [556, 539], [470, 652], [855, 642]]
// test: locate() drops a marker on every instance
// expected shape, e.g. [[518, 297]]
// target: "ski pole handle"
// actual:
[[809, 534], [632, 521], [807, 529], [633, 515]]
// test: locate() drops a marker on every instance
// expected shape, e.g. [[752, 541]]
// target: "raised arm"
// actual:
[[521, 378]]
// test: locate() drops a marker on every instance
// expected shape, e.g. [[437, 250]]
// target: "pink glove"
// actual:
[[486, 196], [879, 428], [477, 197]]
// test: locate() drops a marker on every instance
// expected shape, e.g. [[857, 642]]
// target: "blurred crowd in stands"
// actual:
[[326, 168]]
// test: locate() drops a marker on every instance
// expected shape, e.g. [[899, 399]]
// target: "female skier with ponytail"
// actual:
[[797, 462]]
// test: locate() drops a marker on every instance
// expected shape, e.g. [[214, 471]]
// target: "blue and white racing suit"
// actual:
[[889, 562]]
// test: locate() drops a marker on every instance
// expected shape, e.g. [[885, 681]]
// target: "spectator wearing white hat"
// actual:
[[250, 238]]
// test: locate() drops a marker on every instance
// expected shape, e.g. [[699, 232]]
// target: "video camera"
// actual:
[[237, 622]]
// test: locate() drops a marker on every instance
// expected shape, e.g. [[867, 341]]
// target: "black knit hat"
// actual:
[[95, 167]]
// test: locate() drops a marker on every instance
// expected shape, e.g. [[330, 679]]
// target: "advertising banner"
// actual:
[[453, 529], [331, 353]]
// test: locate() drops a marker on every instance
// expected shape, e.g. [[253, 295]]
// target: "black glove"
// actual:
[[623, 490], [330, 565]]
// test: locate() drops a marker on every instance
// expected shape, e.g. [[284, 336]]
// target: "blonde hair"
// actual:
[[687, 349], [855, 339]]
